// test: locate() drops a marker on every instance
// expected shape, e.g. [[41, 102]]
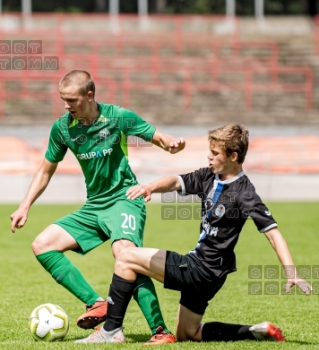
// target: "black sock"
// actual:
[[217, 331], [120, 294]]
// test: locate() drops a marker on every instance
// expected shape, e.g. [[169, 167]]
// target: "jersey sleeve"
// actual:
[[132, 124], [192, 183], [57, 148], [252, 206]]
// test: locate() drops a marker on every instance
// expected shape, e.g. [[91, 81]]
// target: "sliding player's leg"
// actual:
[[191, 310], [127, 229], [126, 225]]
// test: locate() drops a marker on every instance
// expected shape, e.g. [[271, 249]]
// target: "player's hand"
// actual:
[[18, 219], [303, 285], [176, 145], [138, 191]]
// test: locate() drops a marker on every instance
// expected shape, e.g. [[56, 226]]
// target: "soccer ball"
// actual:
[[48, 322]]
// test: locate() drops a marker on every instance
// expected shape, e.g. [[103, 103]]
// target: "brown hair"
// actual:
[[231, 138], [80, 78]]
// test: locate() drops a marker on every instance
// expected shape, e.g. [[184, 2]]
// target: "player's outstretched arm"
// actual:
[[168, 142], [280, 246], [36, 188], [162, 185]]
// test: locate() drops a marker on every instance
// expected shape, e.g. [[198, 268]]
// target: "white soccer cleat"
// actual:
[[102, 336], [267, 331]]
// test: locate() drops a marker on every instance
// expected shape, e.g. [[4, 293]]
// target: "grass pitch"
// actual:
[[24, 283]]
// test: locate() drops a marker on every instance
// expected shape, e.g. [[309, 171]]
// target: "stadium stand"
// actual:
[[201, 71], [169, 67]]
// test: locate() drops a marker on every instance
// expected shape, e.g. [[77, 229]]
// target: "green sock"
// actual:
[[68, 275], [146, 297]]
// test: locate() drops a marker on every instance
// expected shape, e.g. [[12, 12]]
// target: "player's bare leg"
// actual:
[[146, 261], [188, 325], [122, 289], [53, 237], [48, 248], [146, 294], [141, 260]]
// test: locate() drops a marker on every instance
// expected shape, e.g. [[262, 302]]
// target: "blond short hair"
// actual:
[[231, 138], [80, 78]]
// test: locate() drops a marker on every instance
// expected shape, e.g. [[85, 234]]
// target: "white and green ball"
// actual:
[[48, 322]]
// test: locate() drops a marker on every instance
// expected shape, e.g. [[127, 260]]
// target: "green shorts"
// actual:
[[92, 225]]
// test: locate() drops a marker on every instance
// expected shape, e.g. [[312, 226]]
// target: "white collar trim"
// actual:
[[229, 180]]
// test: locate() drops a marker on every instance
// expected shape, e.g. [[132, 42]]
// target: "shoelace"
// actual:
[[162, 335], [92, 307]]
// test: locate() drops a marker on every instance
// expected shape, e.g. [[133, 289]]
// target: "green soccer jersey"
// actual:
[[100, 148]]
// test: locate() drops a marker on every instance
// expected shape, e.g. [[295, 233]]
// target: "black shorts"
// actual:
[[196, 284]]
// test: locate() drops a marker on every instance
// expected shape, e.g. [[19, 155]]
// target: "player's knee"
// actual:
[[124, 255], [38, 246], [182, 335], [129, 255], [187, 334], [123, 259], [186, 337], [119, 248]]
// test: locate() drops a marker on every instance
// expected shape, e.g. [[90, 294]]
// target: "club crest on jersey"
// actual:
[[104, 133], [220, 210], [213, 231]]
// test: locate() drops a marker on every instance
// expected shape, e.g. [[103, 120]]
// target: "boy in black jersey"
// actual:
[[228, 198]]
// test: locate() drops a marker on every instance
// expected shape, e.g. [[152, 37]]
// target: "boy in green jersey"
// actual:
[[96, 134]]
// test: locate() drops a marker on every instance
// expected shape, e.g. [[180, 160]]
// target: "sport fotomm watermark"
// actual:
[[25, 55], [187, 207], [272, 279]]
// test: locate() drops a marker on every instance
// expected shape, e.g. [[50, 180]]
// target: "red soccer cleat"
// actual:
[[94, 315], [161, 337]]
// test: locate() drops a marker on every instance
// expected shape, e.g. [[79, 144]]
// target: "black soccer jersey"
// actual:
[[226, 205]]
